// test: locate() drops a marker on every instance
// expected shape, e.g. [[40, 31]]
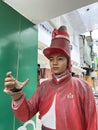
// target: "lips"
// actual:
[[55, 68]]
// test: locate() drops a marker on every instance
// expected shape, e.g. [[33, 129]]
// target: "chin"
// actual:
[[57, 73]]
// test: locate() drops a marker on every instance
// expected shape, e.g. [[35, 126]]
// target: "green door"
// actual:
[[18, 53]]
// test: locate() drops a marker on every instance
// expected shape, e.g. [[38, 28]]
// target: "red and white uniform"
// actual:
[[64, 104]]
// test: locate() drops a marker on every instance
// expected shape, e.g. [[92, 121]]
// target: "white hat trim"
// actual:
[[62, 36]]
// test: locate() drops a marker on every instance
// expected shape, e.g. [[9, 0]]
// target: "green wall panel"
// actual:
[[18, 53]]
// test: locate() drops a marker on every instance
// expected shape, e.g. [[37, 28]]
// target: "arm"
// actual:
[[25, 110], [90, 109], [14, 89]]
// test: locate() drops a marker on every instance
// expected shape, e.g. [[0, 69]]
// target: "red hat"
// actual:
[[60, 44]]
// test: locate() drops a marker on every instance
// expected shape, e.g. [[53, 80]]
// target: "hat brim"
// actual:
[[53, 50]]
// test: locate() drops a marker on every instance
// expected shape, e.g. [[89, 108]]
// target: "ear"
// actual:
[[67, 61]]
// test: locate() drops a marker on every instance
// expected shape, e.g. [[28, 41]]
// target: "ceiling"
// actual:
[[84, 19], [81, 14], [42, 10]]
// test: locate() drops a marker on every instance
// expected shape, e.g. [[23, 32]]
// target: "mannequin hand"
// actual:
[[13, 86]]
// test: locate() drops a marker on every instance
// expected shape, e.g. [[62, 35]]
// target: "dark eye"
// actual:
[[60, 58], [50, 59]]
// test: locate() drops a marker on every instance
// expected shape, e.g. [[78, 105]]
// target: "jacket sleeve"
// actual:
[[90, 109], [26, 109]]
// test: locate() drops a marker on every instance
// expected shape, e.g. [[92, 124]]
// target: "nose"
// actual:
[[55, 61]]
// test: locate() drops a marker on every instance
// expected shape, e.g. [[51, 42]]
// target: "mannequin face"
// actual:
[[58, 63]]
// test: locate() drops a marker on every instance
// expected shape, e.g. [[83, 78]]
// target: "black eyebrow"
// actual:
[[60, 55]]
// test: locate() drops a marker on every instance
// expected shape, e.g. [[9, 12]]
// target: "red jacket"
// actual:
[[75, 104]]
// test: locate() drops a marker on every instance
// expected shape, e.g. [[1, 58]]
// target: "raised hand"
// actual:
[[12, 86]]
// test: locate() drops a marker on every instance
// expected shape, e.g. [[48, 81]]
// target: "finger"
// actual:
[[9, 79], [9, 85], [8, 91], [25, 82], [9, 74], [5, 90]]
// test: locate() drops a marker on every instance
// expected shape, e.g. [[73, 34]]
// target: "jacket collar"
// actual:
[[57, 79]]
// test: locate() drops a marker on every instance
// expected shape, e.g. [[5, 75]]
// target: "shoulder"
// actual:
[[82, 87], [79, 80], [80, 83], [44, 82]]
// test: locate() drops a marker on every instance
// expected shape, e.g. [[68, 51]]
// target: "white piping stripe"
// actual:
[[49, 119], [62, 36]]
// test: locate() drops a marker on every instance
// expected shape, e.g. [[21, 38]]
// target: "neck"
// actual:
[[61, 77], [61, 74]]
